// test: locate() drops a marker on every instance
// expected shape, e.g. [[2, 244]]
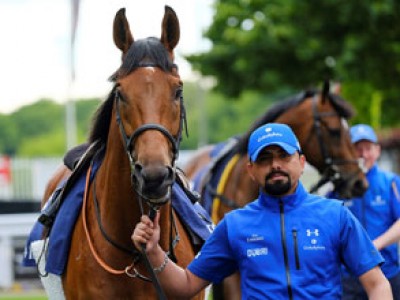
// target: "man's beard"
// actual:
[[277, 188]]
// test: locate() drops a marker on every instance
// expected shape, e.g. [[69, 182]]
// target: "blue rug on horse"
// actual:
[[61, 232], [214, 169], [193, 215]]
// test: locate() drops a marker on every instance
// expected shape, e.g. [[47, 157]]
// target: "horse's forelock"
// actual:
[[145, 51]]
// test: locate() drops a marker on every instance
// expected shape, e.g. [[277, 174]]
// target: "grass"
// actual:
[[22, 296]]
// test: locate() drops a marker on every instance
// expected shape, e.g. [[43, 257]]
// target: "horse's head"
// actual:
[[319, 120], [148, 106], [327, 144]]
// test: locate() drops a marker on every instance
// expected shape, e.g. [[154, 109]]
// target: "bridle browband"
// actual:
[[331, 170]]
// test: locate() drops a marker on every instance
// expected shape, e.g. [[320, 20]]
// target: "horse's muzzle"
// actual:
[[153, 183], [347, 188]]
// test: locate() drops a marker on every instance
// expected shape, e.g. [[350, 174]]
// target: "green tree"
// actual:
[[8, 136], [38, 129], [270, 45]]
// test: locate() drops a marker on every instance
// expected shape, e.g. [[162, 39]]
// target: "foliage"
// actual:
[[270, 45], [38, 129], [8, 135]]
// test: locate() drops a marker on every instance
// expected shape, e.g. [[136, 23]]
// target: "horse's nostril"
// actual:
[[138, 168], [359, 188], [155, 177]]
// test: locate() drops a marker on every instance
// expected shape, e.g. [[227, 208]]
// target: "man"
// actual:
[[287, 244], [378, 211]]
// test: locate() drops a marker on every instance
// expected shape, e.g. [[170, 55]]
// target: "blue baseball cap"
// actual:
[[272, 134], [362, 132]]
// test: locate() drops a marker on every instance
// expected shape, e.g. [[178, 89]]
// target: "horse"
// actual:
[[137, 130], [319, 120]]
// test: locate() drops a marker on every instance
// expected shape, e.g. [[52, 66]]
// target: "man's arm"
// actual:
[[376, 285], [390, 236], [176, 281]]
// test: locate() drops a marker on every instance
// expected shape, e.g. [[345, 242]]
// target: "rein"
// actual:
[[99, 260]]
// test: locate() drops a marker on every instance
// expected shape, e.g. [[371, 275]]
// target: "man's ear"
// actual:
[[303, 160], [249, 167]]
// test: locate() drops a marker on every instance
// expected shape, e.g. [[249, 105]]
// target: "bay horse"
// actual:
[[319, 120], [138, 128]]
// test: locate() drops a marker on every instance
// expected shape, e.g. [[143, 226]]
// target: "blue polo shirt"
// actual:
[[377, 210], [292, 245]]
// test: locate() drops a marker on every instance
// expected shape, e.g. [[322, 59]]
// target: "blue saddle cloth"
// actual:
[[213, 170], [193, 215]]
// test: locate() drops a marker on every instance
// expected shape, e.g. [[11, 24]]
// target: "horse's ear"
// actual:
[[122, 35], [170, 31], [325, 90]]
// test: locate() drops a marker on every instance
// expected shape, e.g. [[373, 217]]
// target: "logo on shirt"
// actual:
[[314, 232], [313, 239], [254, 238], [257, 252], [378, 201]]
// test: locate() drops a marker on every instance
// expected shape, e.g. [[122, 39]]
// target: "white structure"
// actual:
[[11, 226]]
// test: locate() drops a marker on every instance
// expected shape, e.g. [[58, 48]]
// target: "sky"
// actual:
[[35, 45]]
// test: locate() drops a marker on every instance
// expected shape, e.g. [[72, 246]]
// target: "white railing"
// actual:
[[28, 178], [12, 226]]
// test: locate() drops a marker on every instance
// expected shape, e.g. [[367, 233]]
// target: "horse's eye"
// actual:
[[179, 93]]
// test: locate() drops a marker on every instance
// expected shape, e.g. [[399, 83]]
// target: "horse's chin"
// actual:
[[157, 198], [349, 189]]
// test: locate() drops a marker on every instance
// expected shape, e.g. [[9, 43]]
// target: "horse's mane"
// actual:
[[343, 108], [148, 51]]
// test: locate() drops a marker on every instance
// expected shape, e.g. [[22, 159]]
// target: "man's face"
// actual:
[[368, 151], [276, 171]]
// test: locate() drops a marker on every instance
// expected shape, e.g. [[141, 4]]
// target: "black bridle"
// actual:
[[331, 170], [129, 142]]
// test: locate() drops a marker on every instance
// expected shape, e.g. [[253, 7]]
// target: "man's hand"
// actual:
[[147, 232]]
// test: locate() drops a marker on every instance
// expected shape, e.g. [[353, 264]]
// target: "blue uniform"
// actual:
[[377, 210], [289, 247]]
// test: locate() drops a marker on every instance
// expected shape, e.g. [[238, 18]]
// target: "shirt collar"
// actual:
[[289, 201], [373, 170]]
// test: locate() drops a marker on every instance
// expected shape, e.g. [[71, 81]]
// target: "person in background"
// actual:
[[378, 210], [286, 244]]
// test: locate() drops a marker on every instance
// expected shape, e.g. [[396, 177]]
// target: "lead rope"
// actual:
[[153, 276], [129, 269]]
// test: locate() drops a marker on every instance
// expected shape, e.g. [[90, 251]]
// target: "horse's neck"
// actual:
[[241, 186], [116, 197]]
